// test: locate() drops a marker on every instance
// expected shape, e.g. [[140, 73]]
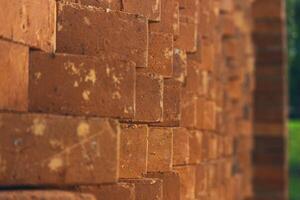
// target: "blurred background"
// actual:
[[293, 17]]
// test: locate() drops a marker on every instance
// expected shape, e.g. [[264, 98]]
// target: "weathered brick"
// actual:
[[180, 65], [29, 23], [160, 149], [148, 8], [171, 103], [57, 150], [133, 150], [107, 4], [149, 97], [171, 184], [70, 84], [187, 176], [206, 114], [44, 194], [188, 110], [181, 148], [79, 33], [188, 20], [13, 76], [124, 191], [169, 21], [201, 187], [147, 188], [195, 147], [160, 60]]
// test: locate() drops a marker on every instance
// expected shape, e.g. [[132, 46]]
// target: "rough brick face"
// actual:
[[13, 76], [66, 84], [57, 150], [29, 23], [77, 33]]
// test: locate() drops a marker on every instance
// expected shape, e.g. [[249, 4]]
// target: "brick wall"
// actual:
[[129, 99]]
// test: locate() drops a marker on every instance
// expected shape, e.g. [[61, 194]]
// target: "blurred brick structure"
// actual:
[[152, 99], [270, 120]]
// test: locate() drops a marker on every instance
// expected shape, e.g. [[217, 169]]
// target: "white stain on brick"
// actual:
[[55, 164], [86, 95], [91, 76], [38, 127], [83, 129]]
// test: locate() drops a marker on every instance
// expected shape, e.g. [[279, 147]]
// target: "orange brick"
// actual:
[[160, 59], [201, 187], [133, 150], [147, 188], [44, 194], [108, 4], [187, 176], [195, 147], [149, 8], [180, 146], [171, 184], [169, 21], [29, 23], [188, 110], [160, 152], [149, 97], [124, 191], [171, 103], [69, 84], [57, 150], [13, 76], [79, 33], [180, 65]]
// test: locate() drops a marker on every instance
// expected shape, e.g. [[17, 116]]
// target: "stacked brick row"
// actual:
[[126, 99], [270, 119]]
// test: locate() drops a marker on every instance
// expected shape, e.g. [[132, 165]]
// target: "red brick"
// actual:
[[70, 84], [29, 23], [148, 8], [124, 191], [57, 150], [44, 194], [187, 176], [169, 21], [206, 114], [147, 189], [180, 65], [180, 146], [188, 110], [160, 149], [79, 33], [171, 103], [160, 60], [133, 150], [195, 147], [201, 187], [108, 4], [149, 97], [171, 184], [188, 20], [13, 76]]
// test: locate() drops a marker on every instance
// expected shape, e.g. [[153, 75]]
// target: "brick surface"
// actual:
[[187, 176], [171, 103], [68, 84], [133, 150], [195, 147], [160, 152], [171, 184], [149, 97], [180, 65], [77, 33], [46, 195], [124, 191], [56, 150], [32, 24], [181, 146], [160, 60], [107, 4], [149, 8], [147, 188], [13, 76]]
